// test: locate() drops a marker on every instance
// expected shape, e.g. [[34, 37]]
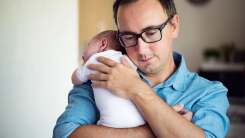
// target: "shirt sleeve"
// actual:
[[210, 112], [81, 110], [82, 73]]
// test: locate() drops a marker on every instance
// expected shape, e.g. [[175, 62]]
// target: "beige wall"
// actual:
[[94, 16]]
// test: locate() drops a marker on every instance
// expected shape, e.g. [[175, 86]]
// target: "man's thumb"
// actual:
[[126, 62]]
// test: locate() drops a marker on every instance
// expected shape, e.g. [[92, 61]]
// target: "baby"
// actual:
[[114, 111]]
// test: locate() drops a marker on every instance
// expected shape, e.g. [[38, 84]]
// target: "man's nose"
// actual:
[[142, 46]]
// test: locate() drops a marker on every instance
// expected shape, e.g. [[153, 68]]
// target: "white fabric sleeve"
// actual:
[[81, 73]]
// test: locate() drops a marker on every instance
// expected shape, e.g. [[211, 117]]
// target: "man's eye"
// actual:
[[150, 32], [128, 37]]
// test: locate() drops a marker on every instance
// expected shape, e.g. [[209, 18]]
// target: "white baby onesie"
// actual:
[[115, 111]]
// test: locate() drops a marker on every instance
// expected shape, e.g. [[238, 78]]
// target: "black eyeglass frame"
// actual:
[[160, 28]]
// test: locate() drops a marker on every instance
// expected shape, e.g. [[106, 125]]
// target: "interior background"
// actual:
[[39, 48]]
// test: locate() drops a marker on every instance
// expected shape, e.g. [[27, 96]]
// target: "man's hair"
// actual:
[[167, 5], [111, 36]]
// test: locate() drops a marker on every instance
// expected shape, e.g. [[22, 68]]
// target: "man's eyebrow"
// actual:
[[150, 27], [127, 32], [142, 30]]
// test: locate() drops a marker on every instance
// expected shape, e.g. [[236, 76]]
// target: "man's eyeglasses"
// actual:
[[148, 35]]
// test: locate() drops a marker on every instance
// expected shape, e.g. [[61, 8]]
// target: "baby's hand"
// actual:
[[183, 112]]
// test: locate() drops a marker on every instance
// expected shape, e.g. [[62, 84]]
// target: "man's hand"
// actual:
[[119, 78], [183, 112]]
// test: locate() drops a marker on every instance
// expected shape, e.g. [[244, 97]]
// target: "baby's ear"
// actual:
[[103, 45]]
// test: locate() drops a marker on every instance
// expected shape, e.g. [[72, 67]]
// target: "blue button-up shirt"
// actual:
[[206, 99]]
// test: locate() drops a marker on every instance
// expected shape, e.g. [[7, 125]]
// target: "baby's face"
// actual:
[[91, 48]]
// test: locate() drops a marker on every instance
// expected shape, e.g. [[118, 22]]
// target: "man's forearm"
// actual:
[[163, 120], [96, 131]]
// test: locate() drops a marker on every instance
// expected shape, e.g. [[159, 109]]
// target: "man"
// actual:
[[147, 29]]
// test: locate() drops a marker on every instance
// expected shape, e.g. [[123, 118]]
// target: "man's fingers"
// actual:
[[125, 61], [98, 77], [100, 84], [178, 107], [107, 61], [100, 67], [183, 112], [96, 84], [188, 115]]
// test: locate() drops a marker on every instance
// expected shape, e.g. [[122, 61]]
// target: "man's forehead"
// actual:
[[137, 16]]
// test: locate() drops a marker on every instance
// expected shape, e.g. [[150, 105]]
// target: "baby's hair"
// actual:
[[113, 42]]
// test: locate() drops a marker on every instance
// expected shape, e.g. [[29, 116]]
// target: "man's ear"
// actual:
[[103, 45], [175, 26]]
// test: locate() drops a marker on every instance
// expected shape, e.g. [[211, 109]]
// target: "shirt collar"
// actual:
[[178, 79]]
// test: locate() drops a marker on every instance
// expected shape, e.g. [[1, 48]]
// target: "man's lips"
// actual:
[[146, 59]]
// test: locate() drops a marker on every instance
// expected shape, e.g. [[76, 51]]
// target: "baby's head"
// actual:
[[103, 41]]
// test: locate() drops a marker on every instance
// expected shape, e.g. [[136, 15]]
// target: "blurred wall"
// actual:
[[218, 22], [39, 44], [94, 16], [210, 25], [38, 51]]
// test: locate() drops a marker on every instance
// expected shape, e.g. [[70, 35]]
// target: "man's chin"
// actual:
[[148, 69]]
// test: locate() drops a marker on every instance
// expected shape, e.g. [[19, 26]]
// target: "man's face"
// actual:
[[151, 58]]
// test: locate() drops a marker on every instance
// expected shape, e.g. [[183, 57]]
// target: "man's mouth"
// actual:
[[146, 59]]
